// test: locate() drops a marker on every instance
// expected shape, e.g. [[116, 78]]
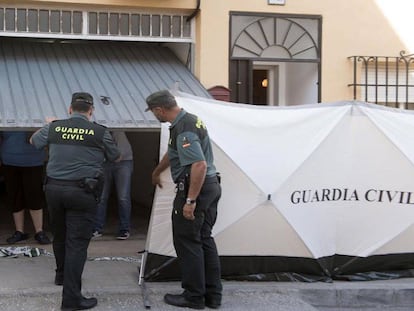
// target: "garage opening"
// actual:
[[145, 145], [42, 75]]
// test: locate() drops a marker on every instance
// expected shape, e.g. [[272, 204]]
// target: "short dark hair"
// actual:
[[81, 101], [163, 99]]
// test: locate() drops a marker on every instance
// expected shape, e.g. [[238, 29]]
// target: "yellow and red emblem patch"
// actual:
[[186, 143]]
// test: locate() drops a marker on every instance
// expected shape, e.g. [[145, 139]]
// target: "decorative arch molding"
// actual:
[[281, 37]]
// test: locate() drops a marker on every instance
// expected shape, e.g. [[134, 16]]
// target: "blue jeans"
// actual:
[[119, 173]]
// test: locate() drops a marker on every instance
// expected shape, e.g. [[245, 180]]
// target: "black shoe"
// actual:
[[86, 303], [213, 303], [123, 235], [17, 237], [42, 238], [181, 301], [58, 279]]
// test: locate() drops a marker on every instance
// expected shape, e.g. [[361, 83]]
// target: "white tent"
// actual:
[[324, 190]]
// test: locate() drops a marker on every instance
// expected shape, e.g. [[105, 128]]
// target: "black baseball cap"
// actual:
[[82, 97], [162, 99]]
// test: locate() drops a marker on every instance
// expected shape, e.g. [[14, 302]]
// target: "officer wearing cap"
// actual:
[[77, 149], [194, 214]]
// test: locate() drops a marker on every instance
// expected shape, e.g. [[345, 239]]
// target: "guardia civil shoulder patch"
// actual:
[[186, 143]]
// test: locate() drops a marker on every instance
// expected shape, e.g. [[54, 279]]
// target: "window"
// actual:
[[99, 24], [386, 81]]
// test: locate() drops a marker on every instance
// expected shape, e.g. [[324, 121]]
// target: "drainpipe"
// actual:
[[189, 18], [195, 12]]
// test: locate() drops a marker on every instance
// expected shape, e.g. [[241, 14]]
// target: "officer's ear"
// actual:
[[91, 111], [70, 110]]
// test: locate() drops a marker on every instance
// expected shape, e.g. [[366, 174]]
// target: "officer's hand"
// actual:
[[156, 180], [50, 119], [188, 211]]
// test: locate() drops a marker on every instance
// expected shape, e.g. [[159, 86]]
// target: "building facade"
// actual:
[[264, 52], [276, 52]]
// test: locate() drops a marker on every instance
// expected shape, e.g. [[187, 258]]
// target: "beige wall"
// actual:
[[349, 27], [180, 4]]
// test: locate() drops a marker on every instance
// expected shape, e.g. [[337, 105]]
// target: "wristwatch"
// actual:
[[190, 201]]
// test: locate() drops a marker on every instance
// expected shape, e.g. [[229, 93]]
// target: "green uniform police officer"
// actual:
[[77, 149], [190, 158]]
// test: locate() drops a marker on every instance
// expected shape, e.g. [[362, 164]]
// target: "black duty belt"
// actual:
[[63, 182], [207, 179]]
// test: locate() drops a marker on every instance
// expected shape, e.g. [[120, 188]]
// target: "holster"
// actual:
[[218, 177], [93, 185], [182, 185]]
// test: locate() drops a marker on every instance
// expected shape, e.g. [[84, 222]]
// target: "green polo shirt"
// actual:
[[77, 147], [189, 142]]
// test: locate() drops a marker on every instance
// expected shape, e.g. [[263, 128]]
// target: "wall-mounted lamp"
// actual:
[[265, 82]]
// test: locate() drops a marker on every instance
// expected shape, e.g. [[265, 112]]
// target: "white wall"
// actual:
[[301, 83]]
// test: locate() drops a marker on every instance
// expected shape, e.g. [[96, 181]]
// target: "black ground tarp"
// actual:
[[273, 268]]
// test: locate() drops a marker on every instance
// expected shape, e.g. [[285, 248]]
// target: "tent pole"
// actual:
[[141, 281], [142, 268]]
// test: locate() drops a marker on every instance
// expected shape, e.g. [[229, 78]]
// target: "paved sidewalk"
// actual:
[[27, 284]]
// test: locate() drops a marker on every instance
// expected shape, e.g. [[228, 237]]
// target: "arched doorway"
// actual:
[[271, 55]]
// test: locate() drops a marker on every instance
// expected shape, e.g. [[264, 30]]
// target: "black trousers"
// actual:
[[195, 247], [72, 213]]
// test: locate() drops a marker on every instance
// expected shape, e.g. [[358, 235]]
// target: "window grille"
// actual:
[[40, 21], [384, 80], [97, 24]]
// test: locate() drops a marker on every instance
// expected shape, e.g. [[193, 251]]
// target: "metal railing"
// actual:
[[384, 80]]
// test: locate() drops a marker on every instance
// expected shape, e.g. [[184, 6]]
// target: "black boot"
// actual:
[[86, 303], [181, 301]]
